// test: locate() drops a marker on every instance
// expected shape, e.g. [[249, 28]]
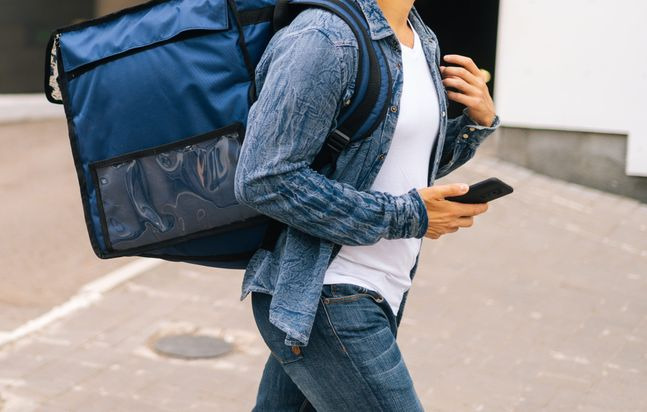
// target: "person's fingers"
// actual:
[[465, 221], [464, 61], [460, 85], [467, 210], [454, 189], [480, 208], [462, 98], [462, 73]]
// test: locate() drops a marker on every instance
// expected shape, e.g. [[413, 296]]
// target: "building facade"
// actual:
[[569, 79], [572, 90]]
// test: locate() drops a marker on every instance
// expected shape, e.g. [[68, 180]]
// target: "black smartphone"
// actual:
[[483, 192]]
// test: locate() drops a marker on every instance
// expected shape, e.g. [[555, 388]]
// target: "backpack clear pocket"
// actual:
[[170, 193]]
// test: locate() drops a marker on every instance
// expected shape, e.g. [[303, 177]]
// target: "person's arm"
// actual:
[[464, 135], [287, 125], [466, 132]]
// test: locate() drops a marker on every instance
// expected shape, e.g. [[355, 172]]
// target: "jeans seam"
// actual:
[[348, 354], [349, 298], [361, 292], [332, 327]]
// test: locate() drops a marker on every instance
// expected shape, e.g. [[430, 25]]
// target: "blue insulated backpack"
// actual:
[[156, 99]]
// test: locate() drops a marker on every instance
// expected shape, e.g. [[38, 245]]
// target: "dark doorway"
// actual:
[[466, 27]]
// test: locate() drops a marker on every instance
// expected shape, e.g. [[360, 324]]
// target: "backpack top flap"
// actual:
[[119, 33]]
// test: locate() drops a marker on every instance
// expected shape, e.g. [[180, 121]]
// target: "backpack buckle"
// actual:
[[337, 141]]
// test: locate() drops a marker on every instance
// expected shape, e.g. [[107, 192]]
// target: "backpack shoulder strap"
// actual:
[[373, 84], [371, 96]]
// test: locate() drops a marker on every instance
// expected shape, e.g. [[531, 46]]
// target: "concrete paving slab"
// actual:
[[538, 307], [45, 253]]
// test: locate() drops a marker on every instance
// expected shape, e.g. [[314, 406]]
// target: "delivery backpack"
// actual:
[[156, 98]]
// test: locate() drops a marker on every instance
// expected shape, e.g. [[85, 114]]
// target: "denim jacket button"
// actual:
[[296, 350], [465, 136], [382, 156], [394, 109], [472, 129]]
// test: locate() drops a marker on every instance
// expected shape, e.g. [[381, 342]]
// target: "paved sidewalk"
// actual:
[[541, 306], [45, 254], [15, 108]]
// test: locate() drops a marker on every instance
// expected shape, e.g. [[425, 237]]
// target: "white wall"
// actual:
[[576, 65]]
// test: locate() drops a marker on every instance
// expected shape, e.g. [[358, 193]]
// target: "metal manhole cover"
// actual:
[[191, 346]]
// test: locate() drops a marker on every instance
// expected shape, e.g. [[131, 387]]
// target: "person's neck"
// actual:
[[396, 12]]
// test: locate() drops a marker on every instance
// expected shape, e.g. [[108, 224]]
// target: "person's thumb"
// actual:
[[454, 189]]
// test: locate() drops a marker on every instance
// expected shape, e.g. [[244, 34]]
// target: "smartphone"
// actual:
[[483, 192]]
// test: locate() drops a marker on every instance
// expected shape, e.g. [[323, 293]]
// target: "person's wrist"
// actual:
[[423, 219], [481, 122], [484, 120], [487, 121]]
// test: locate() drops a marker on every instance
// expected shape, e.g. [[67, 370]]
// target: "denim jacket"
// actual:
[[304, 77]]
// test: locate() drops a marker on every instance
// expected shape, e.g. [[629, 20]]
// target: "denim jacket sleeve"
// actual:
[[458, 148], [296, 108]]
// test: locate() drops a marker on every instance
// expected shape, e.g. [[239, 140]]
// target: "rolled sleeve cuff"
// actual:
[[473, 133], [412, 218]]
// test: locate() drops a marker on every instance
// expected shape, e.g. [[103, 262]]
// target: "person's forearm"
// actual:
[[287, 129], [463, 137], [479, 119], [333, 210]]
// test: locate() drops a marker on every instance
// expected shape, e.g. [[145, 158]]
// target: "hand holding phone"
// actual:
[[483, 192], [447, 217]]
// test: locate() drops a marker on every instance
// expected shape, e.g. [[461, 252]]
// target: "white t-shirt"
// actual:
[[385, 266]]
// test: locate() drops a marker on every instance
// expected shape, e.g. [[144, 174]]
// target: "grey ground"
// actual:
[[541, 306]]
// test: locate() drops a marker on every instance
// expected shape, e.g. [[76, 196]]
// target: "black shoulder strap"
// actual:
[[353, 119], [358, 119]]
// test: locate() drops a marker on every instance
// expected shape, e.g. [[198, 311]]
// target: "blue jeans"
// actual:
[[351, 363]]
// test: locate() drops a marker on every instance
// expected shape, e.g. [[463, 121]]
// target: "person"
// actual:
[[329, 297]]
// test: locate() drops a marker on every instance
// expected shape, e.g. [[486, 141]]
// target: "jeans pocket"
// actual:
[[347, 292], [360, 325]]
